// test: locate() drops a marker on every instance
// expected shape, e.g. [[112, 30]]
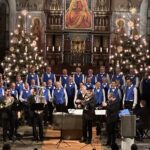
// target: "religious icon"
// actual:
[[78, 15]]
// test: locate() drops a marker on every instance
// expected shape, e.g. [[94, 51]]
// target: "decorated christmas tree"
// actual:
[[23, 52], [130, 50]]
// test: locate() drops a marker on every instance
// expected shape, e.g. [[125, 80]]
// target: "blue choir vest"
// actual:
[[129, 94], [50, 88], [99, 97], [115, 92], [100, 76], [19, 87], [25, 93], [119, 78], [70, 89], [47, 77], [31, 77], [59, 96], [64, 80], [78, 78]]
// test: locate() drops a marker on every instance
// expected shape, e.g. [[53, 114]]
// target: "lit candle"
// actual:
[[101, 50], [106, 50], [47, 48], [53, 48], [59, 48], [94, 49]]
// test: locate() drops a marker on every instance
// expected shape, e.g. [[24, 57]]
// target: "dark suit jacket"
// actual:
[[89, 108], [112, 111]]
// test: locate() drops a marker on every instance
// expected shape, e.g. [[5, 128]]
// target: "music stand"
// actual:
[[63, 110]]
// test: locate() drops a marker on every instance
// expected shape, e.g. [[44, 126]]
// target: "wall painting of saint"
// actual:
[[78, 14]]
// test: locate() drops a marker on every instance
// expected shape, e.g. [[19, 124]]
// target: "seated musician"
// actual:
[[36, 116], [88, 105], [60, 98], [142, 119], [8, 122]]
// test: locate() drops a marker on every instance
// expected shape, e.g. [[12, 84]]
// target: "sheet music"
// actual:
[[100, 112]]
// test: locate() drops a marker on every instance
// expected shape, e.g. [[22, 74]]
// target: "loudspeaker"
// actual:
[[128, 126]]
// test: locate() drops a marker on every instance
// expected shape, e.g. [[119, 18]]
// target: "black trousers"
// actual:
[[111, 136], [37, 123], [70, 103], [8, 123], [128, 105], [87, 129], [48, 110], [61, 107]]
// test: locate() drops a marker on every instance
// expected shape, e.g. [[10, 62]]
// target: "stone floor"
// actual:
[[52, 138]]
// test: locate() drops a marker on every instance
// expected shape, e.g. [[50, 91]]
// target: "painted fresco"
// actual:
[[78, 14]]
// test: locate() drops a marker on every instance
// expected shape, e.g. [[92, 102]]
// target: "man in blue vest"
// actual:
[[19, 84], [118, 75], [48, 75], [78, 77], [90, 75], [60, 98], [32, 75], [99, 94], [102, 74], [71, 90], [13, 91], [50, 86], [105, 85], [88, 83], [130, 95], [134, 77], [64, 78], [116, 91], [25, 93]]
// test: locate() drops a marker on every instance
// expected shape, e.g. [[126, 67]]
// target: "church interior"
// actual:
[[75, 74]]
